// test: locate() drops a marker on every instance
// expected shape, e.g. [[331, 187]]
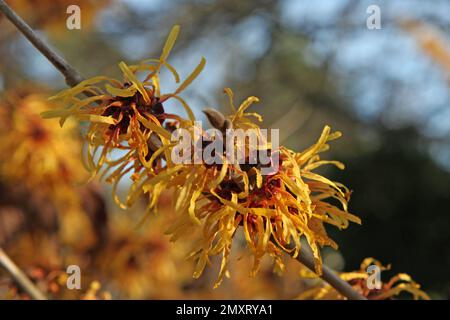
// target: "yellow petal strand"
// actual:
[[162, 176], [258, 176], [88, 101], [192, 76], [230, 98], [231, 204], [334, 135], [157, 86], [317, 164], [221, 176], [164, 63], [348, 276], [128, 92], [154, 127], [368, 261], [184, 195], [79, 87], [223, 266], [132, 77], [314, 149], [173, 35], [201, 263], [317, 177], [191, 209], [155, 155], [183, 103], [244, 106], [96, 118], [57, 113]]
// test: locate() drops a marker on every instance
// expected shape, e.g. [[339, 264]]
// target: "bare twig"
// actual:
[[19, 277], [305, 257], [72, 78], [71, 75]]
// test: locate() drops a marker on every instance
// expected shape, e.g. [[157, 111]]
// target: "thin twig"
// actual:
[[71, 75], [328, 275], [305, 257], [19, 277]]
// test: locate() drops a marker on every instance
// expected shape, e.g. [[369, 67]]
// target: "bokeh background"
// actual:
[[311, 63]]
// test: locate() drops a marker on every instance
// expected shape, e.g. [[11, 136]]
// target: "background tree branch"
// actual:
[[19, 277]]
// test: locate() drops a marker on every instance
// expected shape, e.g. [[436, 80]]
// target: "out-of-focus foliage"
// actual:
[[39, 168], [47, 14]]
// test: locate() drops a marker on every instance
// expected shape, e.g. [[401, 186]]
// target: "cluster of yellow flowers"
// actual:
[[274, 210], [128, 117]]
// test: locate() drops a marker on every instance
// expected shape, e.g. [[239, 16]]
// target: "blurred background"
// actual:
[[310, 63]]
